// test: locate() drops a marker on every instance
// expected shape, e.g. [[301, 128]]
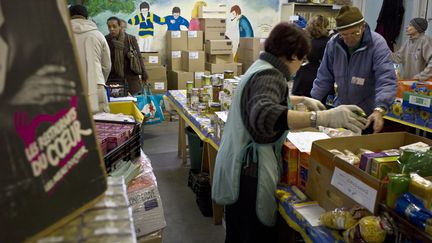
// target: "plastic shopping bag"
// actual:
[[150, 106]]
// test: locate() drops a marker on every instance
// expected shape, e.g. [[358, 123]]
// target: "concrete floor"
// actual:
[[185, 223]]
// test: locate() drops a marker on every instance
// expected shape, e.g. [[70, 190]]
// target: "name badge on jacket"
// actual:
[[357, 80]]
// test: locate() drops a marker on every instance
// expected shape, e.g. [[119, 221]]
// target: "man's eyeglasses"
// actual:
[[305, 62], [353, 34]]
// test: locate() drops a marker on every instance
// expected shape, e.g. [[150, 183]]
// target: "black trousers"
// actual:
[[242, 223]]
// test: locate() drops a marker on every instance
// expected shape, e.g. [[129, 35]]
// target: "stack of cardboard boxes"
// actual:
[[186, 59], [249, 51], [156, 72], [218, 50]]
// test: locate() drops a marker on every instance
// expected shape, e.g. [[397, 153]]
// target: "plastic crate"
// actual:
[[128, 150], [117, 87]]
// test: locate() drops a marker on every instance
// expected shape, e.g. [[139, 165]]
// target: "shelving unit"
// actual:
[[308, 10]]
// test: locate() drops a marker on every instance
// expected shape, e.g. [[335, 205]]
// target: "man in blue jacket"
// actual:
[[358, 62], [174, 21]]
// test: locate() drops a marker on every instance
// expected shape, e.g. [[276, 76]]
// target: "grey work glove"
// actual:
[[342, 116], [313, 104]]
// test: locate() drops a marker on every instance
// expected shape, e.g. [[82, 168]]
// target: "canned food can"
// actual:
[[206, 80], [228, 74], [189, 86], [215, 90]]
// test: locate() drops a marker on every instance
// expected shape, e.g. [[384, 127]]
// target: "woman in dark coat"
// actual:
[[303, 81], [118, 42]]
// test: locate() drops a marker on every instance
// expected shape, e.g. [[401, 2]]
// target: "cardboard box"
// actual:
[[198, 78], [217, 47], [252, 43], [195, 40], [215, 25], [214, 35], [157, 79], [151, 58], [155, 237], [290, 164], [177, 40], [245, 64], [220, 68], [248, 55], [177, 79], [174, 60], [250, 49], [329, 176], [212, 12], [193, 61], [219, 59]]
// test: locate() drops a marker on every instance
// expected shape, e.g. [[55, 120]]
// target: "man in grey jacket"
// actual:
[[94, 56], [416, 53], [357, 61]]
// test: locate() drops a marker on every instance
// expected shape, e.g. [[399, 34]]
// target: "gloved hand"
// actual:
[[342, 116], [313, 104]]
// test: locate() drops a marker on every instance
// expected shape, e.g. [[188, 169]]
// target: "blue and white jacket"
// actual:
[[174, 24], [146, 27], [366, 79]]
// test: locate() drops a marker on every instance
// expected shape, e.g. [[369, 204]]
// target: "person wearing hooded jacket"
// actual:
[[94, 56], [416, 53], [358, 61]]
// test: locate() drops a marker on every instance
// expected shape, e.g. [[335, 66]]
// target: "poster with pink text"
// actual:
[[50, 164]]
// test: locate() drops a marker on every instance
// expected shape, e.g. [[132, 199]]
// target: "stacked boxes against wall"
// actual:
[[218, 50], [186, 58], [156, 72], [249, 51]]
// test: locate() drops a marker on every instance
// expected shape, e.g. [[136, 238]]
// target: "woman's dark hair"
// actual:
[[317, 26], [287, 40], [114, 18], [145, 5]]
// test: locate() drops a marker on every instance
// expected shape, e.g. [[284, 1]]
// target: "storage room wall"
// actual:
[[263, 15], [372, 8]]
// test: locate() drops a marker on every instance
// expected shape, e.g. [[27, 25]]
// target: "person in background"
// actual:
[[174, 21], [359, 61], [248, 162], [123, 25], [303, 81], [118, 42], [94, 55], [245, 26], [416, 53], [146, 20]]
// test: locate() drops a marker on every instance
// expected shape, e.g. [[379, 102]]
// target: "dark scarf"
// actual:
[[119, 54]]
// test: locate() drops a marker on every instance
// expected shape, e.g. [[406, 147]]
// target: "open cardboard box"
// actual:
[[361, 187]]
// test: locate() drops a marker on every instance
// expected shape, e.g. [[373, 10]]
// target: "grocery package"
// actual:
[[369, 229], [414, 210], [397, 186], [416, 161], [342, 219], [110, 220], [347, 156], [422, 189], [338, 219], [145, 200]]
